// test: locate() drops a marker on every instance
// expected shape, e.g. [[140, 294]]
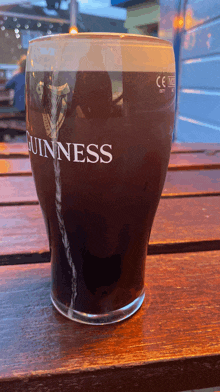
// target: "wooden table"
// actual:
[[171, 344]]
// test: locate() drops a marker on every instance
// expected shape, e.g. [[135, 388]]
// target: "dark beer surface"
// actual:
[[99, 146]]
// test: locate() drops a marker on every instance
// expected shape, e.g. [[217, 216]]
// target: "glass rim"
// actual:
[[121, 37]]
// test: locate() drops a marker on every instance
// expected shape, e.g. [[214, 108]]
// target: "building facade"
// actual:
[[142, 16], [194, 28]]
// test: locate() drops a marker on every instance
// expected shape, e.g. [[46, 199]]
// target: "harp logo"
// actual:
[[54, 102]]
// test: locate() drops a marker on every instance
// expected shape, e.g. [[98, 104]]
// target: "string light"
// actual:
[[73, 30], [14, 23], [178, 22]]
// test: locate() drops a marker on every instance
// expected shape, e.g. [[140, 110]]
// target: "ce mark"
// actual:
[[160, 81]]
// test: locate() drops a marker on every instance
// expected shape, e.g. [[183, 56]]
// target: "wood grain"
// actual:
[[171, 344], [177, 221]]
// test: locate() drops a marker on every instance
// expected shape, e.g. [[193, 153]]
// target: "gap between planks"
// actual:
[[153, 250], [163, 196]]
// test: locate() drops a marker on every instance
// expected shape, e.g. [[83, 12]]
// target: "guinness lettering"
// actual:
[[75, 152]]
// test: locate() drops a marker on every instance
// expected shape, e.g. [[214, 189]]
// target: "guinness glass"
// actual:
[[100, 114]]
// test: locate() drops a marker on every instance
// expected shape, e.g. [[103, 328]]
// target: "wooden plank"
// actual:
[[194, 147], [192, 161], [178, 221], [170, 344], [21, 190], [17, 189], [15, 167], [186, 220], [22, 230], [13, 150], [182, 183]]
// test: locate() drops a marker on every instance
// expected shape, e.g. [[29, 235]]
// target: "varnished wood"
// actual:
[[22, 230], [14, 166], [194, 161], [194, 147], [177, 221], [180, 220], [17, 189], [13, 150], [171, 344], [197, 182]]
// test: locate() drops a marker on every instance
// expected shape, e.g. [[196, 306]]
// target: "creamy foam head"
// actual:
[[100, 52]]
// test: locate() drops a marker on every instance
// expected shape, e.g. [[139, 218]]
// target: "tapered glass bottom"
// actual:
[[100, 319]]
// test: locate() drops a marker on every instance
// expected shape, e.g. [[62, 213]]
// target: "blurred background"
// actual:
[[193, 27]]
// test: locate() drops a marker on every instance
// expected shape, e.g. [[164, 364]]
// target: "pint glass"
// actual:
[[100, 115]]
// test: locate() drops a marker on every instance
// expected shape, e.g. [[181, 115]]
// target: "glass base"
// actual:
[[100, 319]]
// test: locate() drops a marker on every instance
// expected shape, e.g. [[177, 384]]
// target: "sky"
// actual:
[[94, 7], [101, 8]]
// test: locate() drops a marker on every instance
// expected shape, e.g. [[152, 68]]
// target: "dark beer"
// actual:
[[99, 143]]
